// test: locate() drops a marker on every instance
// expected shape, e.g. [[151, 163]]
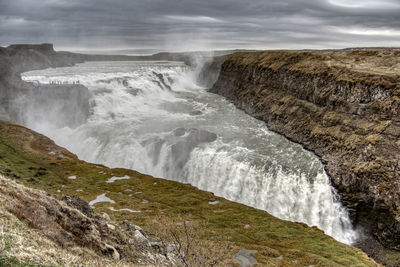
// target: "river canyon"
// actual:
[[152, 117]]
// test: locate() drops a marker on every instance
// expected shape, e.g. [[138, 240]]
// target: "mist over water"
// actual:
[[152, 117]]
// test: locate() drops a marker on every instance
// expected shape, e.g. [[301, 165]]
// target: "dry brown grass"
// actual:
[[29, 237], [372, 61], [28, 246], [184, 241]]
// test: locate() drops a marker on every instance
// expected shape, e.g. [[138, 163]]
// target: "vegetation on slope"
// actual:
[[163, 207], [24, 245], [359, 63]]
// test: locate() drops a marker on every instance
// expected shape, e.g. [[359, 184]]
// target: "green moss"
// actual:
[[14, 262], [8, 241]]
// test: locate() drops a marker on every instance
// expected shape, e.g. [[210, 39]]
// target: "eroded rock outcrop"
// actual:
[[344, 106], [71, 222]]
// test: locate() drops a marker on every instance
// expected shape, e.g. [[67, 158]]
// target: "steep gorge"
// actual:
[[342, 105], [310, 115]]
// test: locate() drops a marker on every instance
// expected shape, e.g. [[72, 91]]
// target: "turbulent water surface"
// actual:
[[152, 117]]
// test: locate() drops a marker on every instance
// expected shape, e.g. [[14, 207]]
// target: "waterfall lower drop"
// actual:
[[151, 117]]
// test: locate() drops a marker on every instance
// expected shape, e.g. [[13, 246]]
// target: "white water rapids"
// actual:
[[152, 117]]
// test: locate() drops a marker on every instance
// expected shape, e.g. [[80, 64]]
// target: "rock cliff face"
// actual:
[[60, 105], [209, 71], [54, 105], [26, 57], [344, 106]]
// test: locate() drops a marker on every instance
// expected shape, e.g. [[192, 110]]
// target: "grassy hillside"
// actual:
[[161, 207]]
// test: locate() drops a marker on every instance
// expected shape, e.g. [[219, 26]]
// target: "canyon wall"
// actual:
[[342, 105], [36, 161], [60, 105]]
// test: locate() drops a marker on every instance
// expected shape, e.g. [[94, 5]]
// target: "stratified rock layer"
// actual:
[[344, 106]]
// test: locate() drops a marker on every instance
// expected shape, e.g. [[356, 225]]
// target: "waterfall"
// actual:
[[152, 117]]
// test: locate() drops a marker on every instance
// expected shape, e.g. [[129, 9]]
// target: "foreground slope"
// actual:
[[160, 207], [38, 229], [343, 105]]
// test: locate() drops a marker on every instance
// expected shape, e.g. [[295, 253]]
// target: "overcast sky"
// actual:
[[175, 25]]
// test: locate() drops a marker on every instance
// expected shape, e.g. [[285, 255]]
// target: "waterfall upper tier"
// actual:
[[152, 117]]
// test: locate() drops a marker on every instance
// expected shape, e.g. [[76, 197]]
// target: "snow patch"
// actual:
[[115, 178], [101, 198], [128, 210]]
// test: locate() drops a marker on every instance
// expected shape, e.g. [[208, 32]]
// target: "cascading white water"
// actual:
[[151, 117]]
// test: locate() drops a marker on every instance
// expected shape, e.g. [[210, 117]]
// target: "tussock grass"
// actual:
[[21, 245], [381, 62]]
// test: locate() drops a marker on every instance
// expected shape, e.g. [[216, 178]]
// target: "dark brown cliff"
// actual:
[[344, 106]]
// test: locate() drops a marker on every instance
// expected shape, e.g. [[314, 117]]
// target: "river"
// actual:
[[153, 118]]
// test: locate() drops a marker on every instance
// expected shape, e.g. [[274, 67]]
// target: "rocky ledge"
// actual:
[[70, 222], [25, 102], [344, 106]]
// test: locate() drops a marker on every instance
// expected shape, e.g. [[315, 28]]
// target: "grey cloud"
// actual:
[[193, 24]]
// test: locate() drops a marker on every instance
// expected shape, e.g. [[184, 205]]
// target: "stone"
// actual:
[[140, 239], [105, 217], [111, 250], [111, 227]]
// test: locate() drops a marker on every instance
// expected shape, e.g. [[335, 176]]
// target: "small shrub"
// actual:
[[183, 239]]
